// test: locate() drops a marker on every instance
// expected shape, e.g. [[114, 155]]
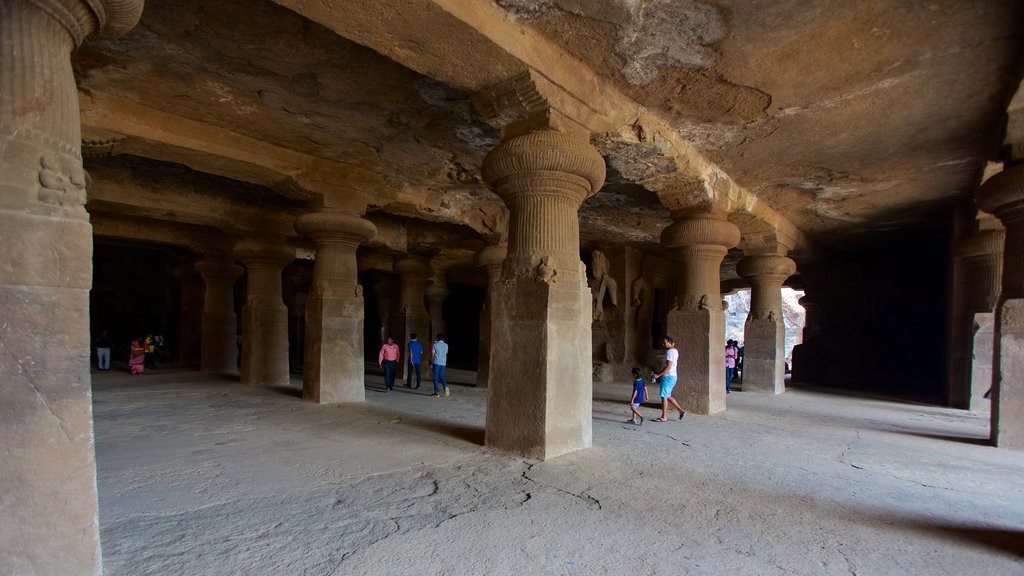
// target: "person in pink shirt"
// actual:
[[731, 354], [388, 360]]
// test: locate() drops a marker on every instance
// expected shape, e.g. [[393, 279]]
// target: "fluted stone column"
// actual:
[[190, 316], [1003, 195], [264, 315], [539, 402], [334, 366], [491, 259], [413, 273], [48, 523], [697, 321], [436, 293], [220, 323], [979, 261], [764, 333]]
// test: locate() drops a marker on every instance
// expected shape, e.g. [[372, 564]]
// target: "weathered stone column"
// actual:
[[264, 315], [220, 323], [491, 259], [190, 316], [47, 464], [1003, 195], [384, 288], [413, 272], [334, 368], [697, 321], [764, 333], [436, 293], [539, 402], [979, 262]]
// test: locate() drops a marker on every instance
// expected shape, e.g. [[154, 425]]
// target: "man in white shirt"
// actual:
[[668, 379]]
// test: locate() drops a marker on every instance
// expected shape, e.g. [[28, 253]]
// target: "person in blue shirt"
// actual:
[[638, 398], [415, 353], [439, 357]]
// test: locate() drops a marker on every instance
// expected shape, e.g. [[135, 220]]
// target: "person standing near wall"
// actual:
[[668, 379], [388, 360], [439, 358], [415, 353]]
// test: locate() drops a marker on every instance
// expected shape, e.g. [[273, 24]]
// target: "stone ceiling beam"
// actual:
[[515, 74]]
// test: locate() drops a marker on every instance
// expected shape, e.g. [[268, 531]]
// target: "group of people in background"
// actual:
[[142, 352], [390, 355]]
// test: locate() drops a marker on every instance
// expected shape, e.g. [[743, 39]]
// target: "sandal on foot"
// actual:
[[681, 414], [659, 420]]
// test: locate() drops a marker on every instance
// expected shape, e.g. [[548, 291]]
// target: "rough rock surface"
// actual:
[[204, 476]]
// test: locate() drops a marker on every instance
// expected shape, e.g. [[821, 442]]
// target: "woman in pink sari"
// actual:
[[137, 358]]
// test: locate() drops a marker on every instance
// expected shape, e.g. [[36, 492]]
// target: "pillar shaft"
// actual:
[[491, 259], [764, 333], [413, 273], [220, 324], [697, 321], [264, 315], [48, 482], [190, 316], [1003, 195], [436, 294], [977, 275], [334, 367], [539, 403]]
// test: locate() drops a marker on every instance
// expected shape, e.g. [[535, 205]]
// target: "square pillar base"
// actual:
[[981, 361], [1008, 392], [764, 363], [541, 388], [700, 339], [334, 370], [265, 345]]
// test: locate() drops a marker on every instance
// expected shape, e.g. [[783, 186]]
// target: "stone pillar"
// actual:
[[47, 463], [978, 269], [540, 397], [764, 333], [264, 315], [190, 316], [413, 272], [1003, 195], [436, 293], [697, 321], [334, 367], [384, 289], [491, 259], [220, 324]]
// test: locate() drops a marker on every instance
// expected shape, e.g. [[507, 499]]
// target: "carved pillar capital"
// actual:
[[418, 266], [218, 269], [1003, 195], [766, 275], [84, 18], [330, 227], [700, 242], [491, 259]]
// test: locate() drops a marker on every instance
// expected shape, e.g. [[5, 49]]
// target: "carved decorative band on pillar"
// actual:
[[540, 397], [764, 362], [264, 315], [50, 520], [697, 321], [1003, 195], [333, 368]]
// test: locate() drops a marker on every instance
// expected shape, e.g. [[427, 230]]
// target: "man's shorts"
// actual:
[[634, 405], [667, 384]]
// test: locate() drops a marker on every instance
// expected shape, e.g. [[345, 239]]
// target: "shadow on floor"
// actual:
[[977, 441], [458, 430]]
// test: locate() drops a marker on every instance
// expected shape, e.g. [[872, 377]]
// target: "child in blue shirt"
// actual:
[[639, 397]]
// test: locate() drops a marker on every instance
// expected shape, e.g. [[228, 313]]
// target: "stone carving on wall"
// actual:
[[641, 291], [62, 180], [604, 284], [359, 291], [545, 271], [704, 304]]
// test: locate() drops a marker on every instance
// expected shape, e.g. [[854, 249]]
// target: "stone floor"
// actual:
[[205, 476]]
